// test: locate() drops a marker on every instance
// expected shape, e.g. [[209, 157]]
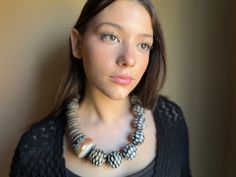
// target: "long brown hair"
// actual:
[[153, 78]]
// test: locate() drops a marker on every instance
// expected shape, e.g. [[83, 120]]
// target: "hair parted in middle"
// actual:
[[152, 80]]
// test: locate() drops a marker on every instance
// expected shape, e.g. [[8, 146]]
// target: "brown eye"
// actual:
[[110, 38], [144, 46]]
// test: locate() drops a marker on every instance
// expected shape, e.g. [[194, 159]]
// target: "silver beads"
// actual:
[[114, 159], [74, 104], [84, 146], [139, 123], [77, 141], [81, 144], [129, 151], [137, 137], [138, 110], [97, 157], [135, 100]]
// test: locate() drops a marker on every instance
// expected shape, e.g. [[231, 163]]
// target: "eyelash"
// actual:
[[108, 37], [148, 47], [112, 38]]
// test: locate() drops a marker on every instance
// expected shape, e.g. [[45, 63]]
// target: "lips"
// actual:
[[122, 79]]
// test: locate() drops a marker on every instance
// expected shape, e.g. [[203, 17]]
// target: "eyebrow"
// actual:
[[120, 28], [110, 24]]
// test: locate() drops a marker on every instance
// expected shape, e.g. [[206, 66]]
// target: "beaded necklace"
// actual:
[[84, 146]]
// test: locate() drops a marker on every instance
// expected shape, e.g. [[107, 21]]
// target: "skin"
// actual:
[[116, 42]]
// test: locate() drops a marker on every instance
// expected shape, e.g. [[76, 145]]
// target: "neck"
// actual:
[[98, 107]]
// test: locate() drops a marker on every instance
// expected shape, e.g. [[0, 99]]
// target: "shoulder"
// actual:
[[38, 145], [169, 117], [168, 109], [40, 132]]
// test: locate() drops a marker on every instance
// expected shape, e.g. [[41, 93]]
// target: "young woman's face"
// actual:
[[115, 49]]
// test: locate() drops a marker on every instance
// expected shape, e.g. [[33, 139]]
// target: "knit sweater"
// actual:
[[40, 150]]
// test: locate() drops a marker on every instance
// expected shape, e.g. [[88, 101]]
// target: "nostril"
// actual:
[[121, 62], [125, 62]]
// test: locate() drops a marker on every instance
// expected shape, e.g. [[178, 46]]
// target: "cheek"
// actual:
[[96, 61], [144, 64], [95, 51]]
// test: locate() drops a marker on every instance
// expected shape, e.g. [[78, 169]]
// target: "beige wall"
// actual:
[[33, 48], [199, 77], [33, 40]]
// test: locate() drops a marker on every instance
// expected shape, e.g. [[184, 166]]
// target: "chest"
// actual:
[[145, 155]]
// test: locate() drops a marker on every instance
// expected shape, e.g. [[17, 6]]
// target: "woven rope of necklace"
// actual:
[[84, 146]]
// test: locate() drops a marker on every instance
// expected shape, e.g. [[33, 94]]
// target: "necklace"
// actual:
[[84, 146]]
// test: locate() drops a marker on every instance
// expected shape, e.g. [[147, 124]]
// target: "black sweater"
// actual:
[[40, 150]]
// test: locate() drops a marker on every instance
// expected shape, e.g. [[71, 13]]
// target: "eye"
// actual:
[[111, 38], [145, 46]]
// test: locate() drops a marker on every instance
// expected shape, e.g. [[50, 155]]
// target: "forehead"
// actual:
[[126, 13]]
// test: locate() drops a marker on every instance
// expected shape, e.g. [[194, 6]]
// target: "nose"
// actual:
[[126, 57]]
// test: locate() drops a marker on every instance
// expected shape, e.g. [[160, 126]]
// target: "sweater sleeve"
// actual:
[[40, 150], [184, 140], [182, 129], [174, 140], [186, 169]]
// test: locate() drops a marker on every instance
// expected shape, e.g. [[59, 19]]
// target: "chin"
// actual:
[[116, 92], [117, 95]]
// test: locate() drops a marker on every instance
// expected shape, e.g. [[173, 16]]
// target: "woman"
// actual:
[[109, 120]]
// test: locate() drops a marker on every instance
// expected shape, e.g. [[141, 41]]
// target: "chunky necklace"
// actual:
[[84, 146]]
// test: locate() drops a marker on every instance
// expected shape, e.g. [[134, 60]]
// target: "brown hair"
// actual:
[[153, 78]]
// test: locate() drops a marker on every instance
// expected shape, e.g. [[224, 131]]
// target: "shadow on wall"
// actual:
[[34, 49], [47, 78]]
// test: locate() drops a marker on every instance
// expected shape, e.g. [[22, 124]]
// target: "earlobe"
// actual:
[[75, 39]]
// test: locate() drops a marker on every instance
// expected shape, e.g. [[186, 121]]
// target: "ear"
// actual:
[[75, 39]]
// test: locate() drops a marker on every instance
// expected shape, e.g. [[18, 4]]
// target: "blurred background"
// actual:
[[201, 72]]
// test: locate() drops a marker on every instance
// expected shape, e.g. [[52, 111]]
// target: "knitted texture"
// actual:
[[173, 155], [40, 150]]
